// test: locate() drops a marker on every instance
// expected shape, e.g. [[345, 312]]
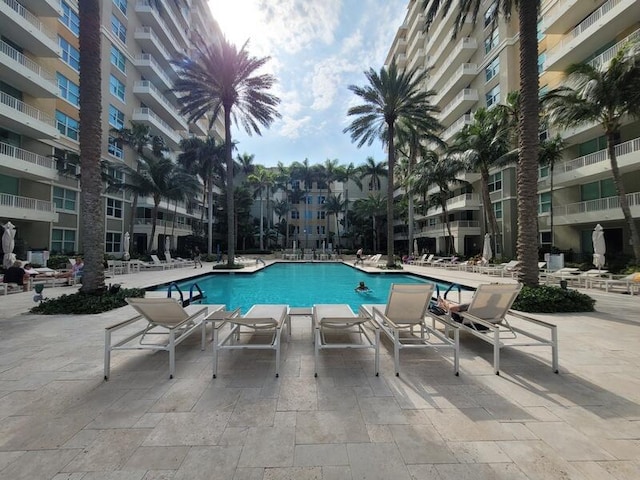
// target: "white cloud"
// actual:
[[294, 127]]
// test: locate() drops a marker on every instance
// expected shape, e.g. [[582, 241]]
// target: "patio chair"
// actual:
[[486, 318], [628, 284], [260, 320], [419, 260], [559, 275], [167, 324], [406, 310], [583, 279], [331, 319], [373, 260], [425, 261], [159, 263]]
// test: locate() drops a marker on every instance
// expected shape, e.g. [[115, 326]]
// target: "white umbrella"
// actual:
[[8, 243], [125, 246], [167, 243], [323, 246], [599, 246], [487, 253], [415, 247]]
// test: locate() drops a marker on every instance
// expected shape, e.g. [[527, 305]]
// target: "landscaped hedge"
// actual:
[[550, 299], [82, 303]]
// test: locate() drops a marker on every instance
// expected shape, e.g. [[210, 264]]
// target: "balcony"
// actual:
[[151, 96], [17, 161], [149, 15], [602, 60], [597, 165], [149, 68], [24, 119], [459, 228], [594, 211], [418, 59], [468, 201], [461, 103], [46, 8], [25, 208], [456, 80], [20, 23], [595, 30], [150, 42], [157, 126], [20, 70], [143, 225], [179, 29], [200, 128], [459, 52], [565, 14], [456, 126]]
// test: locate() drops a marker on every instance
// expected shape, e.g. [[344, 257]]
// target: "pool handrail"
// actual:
[[174, 284]]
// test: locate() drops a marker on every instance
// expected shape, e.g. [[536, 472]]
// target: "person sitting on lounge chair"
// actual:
[[453, 308], [362, 288], [16, 274], [359, 257]]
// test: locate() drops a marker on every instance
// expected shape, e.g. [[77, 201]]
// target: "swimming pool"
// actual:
[[298, 285]]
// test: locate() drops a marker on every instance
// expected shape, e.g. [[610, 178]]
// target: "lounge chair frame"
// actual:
[[342, 318], [401, 332], [498, 330], [174, 333], [258, 320]]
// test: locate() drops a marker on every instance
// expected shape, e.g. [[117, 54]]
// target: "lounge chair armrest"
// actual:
[[481, 321], [387, 320], [542, 323], [445, 320], [343, 322], [257, 323], [124, 323], [220, 317]]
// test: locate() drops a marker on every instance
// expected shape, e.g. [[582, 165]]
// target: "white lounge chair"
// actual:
[[628, 284], [267, 320], [332, 318], [406, 310], [583, 279], [159, 263], [425, 261], [167, 323], [373, 260], [486, 318]]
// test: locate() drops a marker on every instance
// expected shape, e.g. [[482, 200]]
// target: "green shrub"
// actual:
[[82, 303], [550, 299], [224, 266], [58, 262]]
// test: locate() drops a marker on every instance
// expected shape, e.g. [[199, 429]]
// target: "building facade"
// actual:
[[39, 116], [478, 68]]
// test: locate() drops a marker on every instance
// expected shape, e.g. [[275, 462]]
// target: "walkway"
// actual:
[[60, 420]]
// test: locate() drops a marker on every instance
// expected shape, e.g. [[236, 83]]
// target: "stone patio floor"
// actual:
[[60, 420]]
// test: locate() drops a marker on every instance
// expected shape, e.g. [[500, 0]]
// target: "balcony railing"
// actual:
[[454, 225], [25, 109], [466, 42], [458, 99], [596, 205], [158, 43], [163, 223], [606, 56], [464, 69], [599, 156], [456, 126], [25, 156], [159, 96], [30, 17], [25, 203], [146, 57], [27, 63]]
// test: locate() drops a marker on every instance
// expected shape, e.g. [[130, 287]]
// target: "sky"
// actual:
[[316, 50]]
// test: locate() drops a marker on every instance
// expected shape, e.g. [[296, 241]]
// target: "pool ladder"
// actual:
[[187, 302], [451, 287]]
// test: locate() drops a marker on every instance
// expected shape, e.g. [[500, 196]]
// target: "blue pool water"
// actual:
[[298, 285]]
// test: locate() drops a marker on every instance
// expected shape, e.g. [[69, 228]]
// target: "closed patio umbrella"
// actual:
[[415, 247], [8, 243], [599, 246], [487, 253], [125, 246], [167, 244]]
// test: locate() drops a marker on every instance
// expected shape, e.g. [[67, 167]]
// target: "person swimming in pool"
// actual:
[[362, 288]]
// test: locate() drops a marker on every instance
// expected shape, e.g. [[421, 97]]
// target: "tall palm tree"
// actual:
[[181, 187], [203, 157], [282, 209], [374, 206], [244, 163], [304, 172], [335, 206], [373, 171], [483, 144], [605, 95], [550, 153], [219, 79], [260, 180], [330, 176], [91, 225], [528, 122], [391, 96], [347, 173]]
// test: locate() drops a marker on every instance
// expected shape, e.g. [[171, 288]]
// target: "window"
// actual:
[[541, 59], [114, 208], [540, 30], [63, 241], [112, 242], [64, 199], [320, 230], [116, 174], [118, 59], [118, 29], [321, 199], [492, 69], [122, 5], [544, 202], [545, 237], [67, 126], [495, 182], [295, 215], [115, 147], [69, 90], [497, 210], [116, 87], [308, 215], [493, 96], [309, 200], [295, 184], [490, 14], [69, 54], [491, 40], [321, 215], [543, 172], [596, 190], [70, 18], [116, 118]]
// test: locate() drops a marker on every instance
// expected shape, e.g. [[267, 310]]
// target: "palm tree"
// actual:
[[374, 172], [181, 187], [374, 206], [244, 164], [605, 95], [330, 176], [346, 173], [305, 173], [528, 122], [91, 226], [204, 158], [219, 78], [483, 144], [282, 209], [391, 96], [335, 206], [550, 153], [261, 181]]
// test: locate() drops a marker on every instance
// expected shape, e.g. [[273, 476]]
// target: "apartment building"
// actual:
[[478, 68], [39, 115]]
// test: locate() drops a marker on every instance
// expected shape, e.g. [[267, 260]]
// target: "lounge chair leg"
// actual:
[[172, 354]]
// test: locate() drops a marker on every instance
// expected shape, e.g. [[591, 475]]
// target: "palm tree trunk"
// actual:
[[488, 208], [154, 220], [391, 164], [261, 221], [528, 125], [210, 215], [622, 197], [551, 203], [231, 231], [91, 227]]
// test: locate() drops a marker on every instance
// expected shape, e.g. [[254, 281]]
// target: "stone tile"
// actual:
[[260, 412], [292, 473], [376, 461], [159, 475], [478, 452], [421, 444], [156, 458], [119, 475], [233, 436], [330, 427], [217, 398], [381, 411], [336, 473], [39, 431], [209, 463], [538, 460], [622, 470], [70, 476], [380, 433], [337, 398], [8, 457], [470, 424], [504, 471], [197, 428], [423, 472], [109, 451], [320, 455], [268, 447], [568, 442], [298, 394], [249, 474], [38, 464], [181, 397]]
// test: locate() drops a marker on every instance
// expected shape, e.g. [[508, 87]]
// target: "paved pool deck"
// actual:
[[60, 420]]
